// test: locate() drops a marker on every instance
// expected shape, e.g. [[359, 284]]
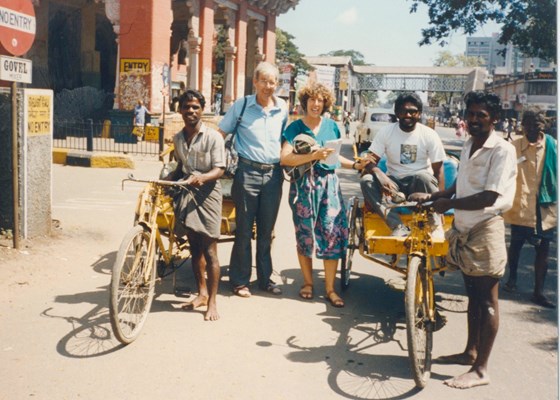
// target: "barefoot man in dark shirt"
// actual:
[[199, 150]]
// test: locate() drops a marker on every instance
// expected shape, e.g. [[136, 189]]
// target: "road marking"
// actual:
[[92, 204]]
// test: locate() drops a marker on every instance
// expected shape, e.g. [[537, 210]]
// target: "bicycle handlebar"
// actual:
[[182, 184]]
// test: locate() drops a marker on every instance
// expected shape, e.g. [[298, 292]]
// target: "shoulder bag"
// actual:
[[229, 142]]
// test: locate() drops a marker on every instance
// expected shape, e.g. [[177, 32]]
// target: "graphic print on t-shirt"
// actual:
[[408, 153]]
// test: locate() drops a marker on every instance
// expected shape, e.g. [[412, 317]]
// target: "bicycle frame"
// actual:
[[154, 212]]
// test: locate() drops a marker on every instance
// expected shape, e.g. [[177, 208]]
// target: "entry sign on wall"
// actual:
[[17, 26]]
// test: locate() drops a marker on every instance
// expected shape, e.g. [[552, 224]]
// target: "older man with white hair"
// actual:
[[257, 184]]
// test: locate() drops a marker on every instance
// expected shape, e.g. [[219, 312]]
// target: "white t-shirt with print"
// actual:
[[408, 152]]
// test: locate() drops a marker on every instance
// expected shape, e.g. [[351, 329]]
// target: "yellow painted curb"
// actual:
[[111, 161], [59, 156]]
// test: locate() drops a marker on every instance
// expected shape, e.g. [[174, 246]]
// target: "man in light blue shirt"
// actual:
[[257, 184]]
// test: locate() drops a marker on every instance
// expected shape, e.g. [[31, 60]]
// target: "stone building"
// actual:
[[152, 49]]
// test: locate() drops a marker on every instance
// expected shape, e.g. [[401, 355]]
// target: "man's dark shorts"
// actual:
[[526, 233]]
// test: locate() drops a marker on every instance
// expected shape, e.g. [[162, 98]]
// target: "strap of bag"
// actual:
[[240, 117]]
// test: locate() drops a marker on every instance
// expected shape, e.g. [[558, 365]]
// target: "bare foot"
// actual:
[[211, 313], [468, 380], [461, 359], [199, 301]]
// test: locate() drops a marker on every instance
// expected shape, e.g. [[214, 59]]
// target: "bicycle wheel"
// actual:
[[131, 291], [419, 328], [353, 244]]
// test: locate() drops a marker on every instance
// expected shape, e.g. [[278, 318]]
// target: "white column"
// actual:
[[194, 51], [229, 76]]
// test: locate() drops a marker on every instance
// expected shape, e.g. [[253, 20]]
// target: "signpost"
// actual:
[[17, 33], [17, 26], [14, 69], [166, 77]]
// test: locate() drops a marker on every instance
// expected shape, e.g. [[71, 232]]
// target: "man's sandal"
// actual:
[[242, 291], [334, 299], [306, 291]]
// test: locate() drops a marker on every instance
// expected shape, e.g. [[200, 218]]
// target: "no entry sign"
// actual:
[[17, 25]]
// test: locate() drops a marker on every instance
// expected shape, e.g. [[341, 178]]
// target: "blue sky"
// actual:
[[384, 31]]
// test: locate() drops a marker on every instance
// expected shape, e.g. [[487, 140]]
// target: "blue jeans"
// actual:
[[256, 195]]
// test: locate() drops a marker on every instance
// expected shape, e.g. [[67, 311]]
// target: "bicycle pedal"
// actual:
[[441, 321]]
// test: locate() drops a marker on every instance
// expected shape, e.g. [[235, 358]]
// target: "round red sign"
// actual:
[[17, 26]]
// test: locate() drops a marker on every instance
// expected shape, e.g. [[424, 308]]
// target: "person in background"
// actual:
[[257, 185], [510, 129], [460, 130], [139, 119], [415, 156], [483, 190], [199, 151], [316, 201], [534, 214], [346, 123]]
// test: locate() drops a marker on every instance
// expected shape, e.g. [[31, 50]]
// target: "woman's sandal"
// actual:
[[306, 291], [334, 299]]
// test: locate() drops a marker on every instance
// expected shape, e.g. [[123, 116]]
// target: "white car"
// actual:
[[370, 123]]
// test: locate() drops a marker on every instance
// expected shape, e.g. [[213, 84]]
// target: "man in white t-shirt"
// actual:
[[415, 158]]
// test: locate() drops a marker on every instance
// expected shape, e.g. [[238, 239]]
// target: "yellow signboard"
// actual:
[[39, 115], [343, 81], [135, 65], [152, 133]]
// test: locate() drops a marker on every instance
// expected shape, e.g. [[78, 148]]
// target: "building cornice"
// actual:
[[276, 7]]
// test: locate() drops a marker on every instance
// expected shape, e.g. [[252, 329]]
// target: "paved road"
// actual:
[[56, 341]]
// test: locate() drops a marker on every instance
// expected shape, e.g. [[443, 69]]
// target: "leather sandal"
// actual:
[[334, 299], [306, 291]]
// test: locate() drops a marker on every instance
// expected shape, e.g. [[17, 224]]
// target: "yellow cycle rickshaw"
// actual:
[[424, 256], [150, 251]]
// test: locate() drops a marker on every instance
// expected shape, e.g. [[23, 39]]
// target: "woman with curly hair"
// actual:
[[316, 201]]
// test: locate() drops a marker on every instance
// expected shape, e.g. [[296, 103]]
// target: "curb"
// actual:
[[91, 159]]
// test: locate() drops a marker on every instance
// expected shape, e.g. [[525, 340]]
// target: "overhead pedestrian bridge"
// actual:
[[428, 79]]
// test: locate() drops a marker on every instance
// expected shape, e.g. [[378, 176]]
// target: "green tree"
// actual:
[[530, 25], [219, 58], [447, 59], [288, 52], [356, 56]]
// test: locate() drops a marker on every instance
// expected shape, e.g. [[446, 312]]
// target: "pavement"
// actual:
[[57, 343]]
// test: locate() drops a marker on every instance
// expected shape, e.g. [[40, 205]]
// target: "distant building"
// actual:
[[519, 91], [151, 50], [502, 59], [487, 49], [519, 81]]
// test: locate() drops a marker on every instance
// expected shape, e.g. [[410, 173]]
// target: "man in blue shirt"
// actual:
[[139, 119], [257, 184], [140, 112]]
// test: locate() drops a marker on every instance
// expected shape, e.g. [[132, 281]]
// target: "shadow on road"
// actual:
[[369, 329]]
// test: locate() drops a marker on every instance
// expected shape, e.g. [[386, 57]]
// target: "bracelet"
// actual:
[[354, 165]]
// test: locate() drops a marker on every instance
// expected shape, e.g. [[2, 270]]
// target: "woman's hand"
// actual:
[[362, 163], [322, 153]]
